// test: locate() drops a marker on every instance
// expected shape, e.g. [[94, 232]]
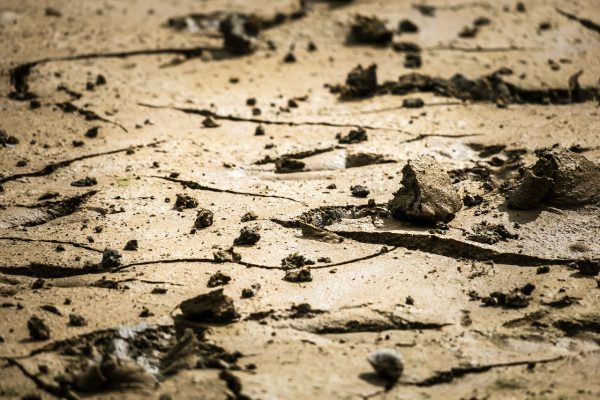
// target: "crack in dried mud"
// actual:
[[197, 186], [89, 115], [587, 23], [54, 241], [52, 167]]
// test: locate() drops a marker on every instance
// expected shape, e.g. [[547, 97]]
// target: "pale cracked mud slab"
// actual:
[[497, 303]]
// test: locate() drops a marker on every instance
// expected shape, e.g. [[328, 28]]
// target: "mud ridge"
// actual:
[[212, 114], [197, 186], [54, 241], [52, 167]]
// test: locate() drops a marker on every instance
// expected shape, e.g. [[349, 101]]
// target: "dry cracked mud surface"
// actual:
[[299, 199]]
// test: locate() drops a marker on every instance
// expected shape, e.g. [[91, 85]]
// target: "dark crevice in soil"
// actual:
[[297, 156], [49, 271], [587, 23], [57, 209], [447, 376], [423, 136], [89, 115], [54, 241], [52, 167], [197, 186], [393, 322], [449, 247], [480, 49], [19, 75], [212, 114]]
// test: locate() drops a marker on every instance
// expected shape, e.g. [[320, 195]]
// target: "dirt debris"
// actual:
[[204, 219], [212, 307], [218, 279], [354, 136], [490, 233], [426, 195], [295, 260], [370, 30], [515, 298], [561, 178], [38, 330], [359, 191], [387, 363], [184, 200], [248, 236], [298, 275]]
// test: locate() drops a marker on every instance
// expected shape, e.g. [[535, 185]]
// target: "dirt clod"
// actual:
[[110, 259], [354, 136], [204, 219], [38, 330], [131, 245], [288, 165], [370, 30], [185, 201], [214, 306], [249, 216], [85, 182], [387, 363], [426, 195], [218, 279], [298, 275], [248, 236], [359, 191]]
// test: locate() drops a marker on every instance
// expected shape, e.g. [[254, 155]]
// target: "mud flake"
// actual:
[[426, 195], [214, 306]]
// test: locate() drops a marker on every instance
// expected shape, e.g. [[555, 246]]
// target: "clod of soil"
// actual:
[[489, 233], [248, 236], [213, 306], [370, 30], [204, 219], [251, 291], [413, 60], [516, 298], [298, 275], [560, 177], [354, 136], [359, 191], [355, 160], [132, 245], [416, 102], [77, 320], [228, 255], [185, 201], [85, 182], [387, 363], [407, 26], [288, 165], [296, 260], [7, 140], [110, 259], [38, 330], [360, 82], [426, 195], [249, 216], [588, 266], [209, 122], [406, 47], [218, 279], [237, 36]]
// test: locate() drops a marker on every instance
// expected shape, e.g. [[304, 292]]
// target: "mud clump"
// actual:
[[354, 136], [110, 259], [560, 177], [387, 364], [298, 276], [228, 255], [589, 267], [427, 195], [356, 160], [407, 26], [85, 182], [288, 165], [296, 260], [249, 216], [213, 306], [38, 330], [489, 233], [370, 30], [77, 320], [185, 201], [238, 34], [251, 291], [7, 140], [204, 219], [131, 245], [416, 102], [516, 298], [218, 279], [248, 236], [359, 191], [360, 82]]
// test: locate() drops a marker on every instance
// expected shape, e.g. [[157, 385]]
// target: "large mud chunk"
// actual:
[[213, 306], [426, 195], [560, 177]]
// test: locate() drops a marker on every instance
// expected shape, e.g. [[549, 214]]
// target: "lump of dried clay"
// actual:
[[361, 82], [218, 279], [248, 236], [185, 201], [370, 30], [38, 330], [110, 259], [387, 363], [237, 38], [298, 275], [359, 191], [213, 306], [426, 195], [560, 177], [354, 136], [287, 165], [204, 219]]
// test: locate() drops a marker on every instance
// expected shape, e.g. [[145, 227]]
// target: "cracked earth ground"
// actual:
[[108, 90]]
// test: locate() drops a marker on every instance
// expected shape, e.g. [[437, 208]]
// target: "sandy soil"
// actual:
[[493, 303]]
